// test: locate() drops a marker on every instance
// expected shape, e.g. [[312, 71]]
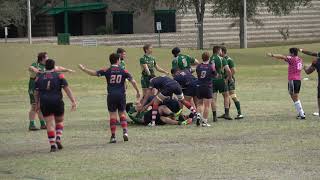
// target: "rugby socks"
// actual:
[[113, 127], [237, 104], [214, 114], [299, 109], [154, 113], [51, 137], [32, 123], [59, 129], [226, 111], [189, 106], [42, 122], [124, 124]]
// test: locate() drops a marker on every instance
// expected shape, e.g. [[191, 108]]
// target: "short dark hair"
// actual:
[[120, 50], [175, 51], [50, 64], [294, 51], [174, 70], [114, 58], [205, 56], [145, 47], [224, 49], [41, 56], [216, 49]]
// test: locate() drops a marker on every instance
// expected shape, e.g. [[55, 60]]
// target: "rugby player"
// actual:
[[232, 84], [122, 54], [295, 65], [205, 72], [116, 98], [220, 82], [182, 61], [148, 64], [48, 97]]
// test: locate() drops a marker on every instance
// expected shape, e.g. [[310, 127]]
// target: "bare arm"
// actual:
[[33, 69], [196, 62], [228, 71], [309, 69], [62, 69], [277, 56], [145, 68], [88, 71], [158, 68], [233, 71], [134, 84], [315, 54], [71, 97]]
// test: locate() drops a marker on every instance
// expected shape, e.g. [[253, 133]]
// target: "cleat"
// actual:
[[302, 117], [227, 117], [222, 116], [43, 127], [125, 137], [58, 142], [186, 122], [53, 148], [215, 119], [113, 140], [198, 120], [33, 128], [205, 124], [152, 124], [315, 114], [239, 116]]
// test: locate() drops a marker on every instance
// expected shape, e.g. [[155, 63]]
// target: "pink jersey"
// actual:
[[294, 67]]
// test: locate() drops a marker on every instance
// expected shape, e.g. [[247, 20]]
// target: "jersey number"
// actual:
[[299, 66], [203, 74], [184, 62], [48, 85], [115, 79]]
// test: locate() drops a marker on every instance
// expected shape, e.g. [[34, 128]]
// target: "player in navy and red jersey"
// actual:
[[116, 98], [205, 72], [48, 97], [166, 87], [187, 82]]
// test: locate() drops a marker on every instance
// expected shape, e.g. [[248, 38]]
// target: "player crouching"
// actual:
[[48, 97], [116, 98]]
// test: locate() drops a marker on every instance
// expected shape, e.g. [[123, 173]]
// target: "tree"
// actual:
[[224, 8]]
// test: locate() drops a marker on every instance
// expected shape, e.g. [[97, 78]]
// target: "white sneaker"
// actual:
[[152, 124], [205, 124], [315, 114]]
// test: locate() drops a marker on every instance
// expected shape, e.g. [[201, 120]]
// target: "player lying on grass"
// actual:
[[169, 112], [220, 83], [205, 72], [34, 69], [148, 64], [116, 98], [48, 97], [188, 84], [310, 69], [166, 88], [232, 83], [181, 61], [295, 65]]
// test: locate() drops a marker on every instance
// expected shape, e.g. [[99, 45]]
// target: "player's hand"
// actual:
[[82, 67], [300, 50], [138, 96], [71, 71], [269, 54], [73, 106]]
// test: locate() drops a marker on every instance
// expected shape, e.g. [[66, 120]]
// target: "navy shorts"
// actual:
[[172, 104], [172, 88], [116, 102], [49, 108], [190, 91], [204, 92]]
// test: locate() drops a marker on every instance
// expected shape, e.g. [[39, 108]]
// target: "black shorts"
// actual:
[[49, 108], [172, 104], [190, 91], [170, 89], [204, 92], [148, 118], [294, 86], [116, 102]]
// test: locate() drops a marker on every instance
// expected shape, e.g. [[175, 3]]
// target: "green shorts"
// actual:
[[31, 89], [232, 85], [145, 81], [219, 85]]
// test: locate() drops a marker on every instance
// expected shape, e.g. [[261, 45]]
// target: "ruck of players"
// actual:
[[183, 95]]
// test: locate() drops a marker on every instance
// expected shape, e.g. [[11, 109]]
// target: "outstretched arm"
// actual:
[[88, 71], [158, 68], [309, 69], [62, 69], [71, 97], [315, 54], [277, 56]]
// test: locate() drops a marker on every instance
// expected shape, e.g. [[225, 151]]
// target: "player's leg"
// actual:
[[59, 124], [226, 105], [32, 117], [199, 109], [112, 103], [158, 99], [206, 104], [236, 102], [294, 89], [51, 132], [122, 115], [42, 122], [214, 106]]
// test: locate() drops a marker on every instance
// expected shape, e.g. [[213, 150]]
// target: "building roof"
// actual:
[[76, 8]]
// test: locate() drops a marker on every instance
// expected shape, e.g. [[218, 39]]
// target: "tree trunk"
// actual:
[[200, 35]]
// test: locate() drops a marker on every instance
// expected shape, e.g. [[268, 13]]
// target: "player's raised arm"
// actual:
[[88, 71], [277, 56], [315, 54], [158, 68]]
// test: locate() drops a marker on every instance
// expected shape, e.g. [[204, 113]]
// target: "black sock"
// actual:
[[214, 113], [226, 111]]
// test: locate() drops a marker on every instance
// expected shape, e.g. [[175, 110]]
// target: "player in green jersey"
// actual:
[[220, 82], [123, 54], [148, 65], [232, 84], [34, 69], [182, 61]]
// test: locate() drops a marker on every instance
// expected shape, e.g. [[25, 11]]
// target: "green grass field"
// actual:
[[268, 144]]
